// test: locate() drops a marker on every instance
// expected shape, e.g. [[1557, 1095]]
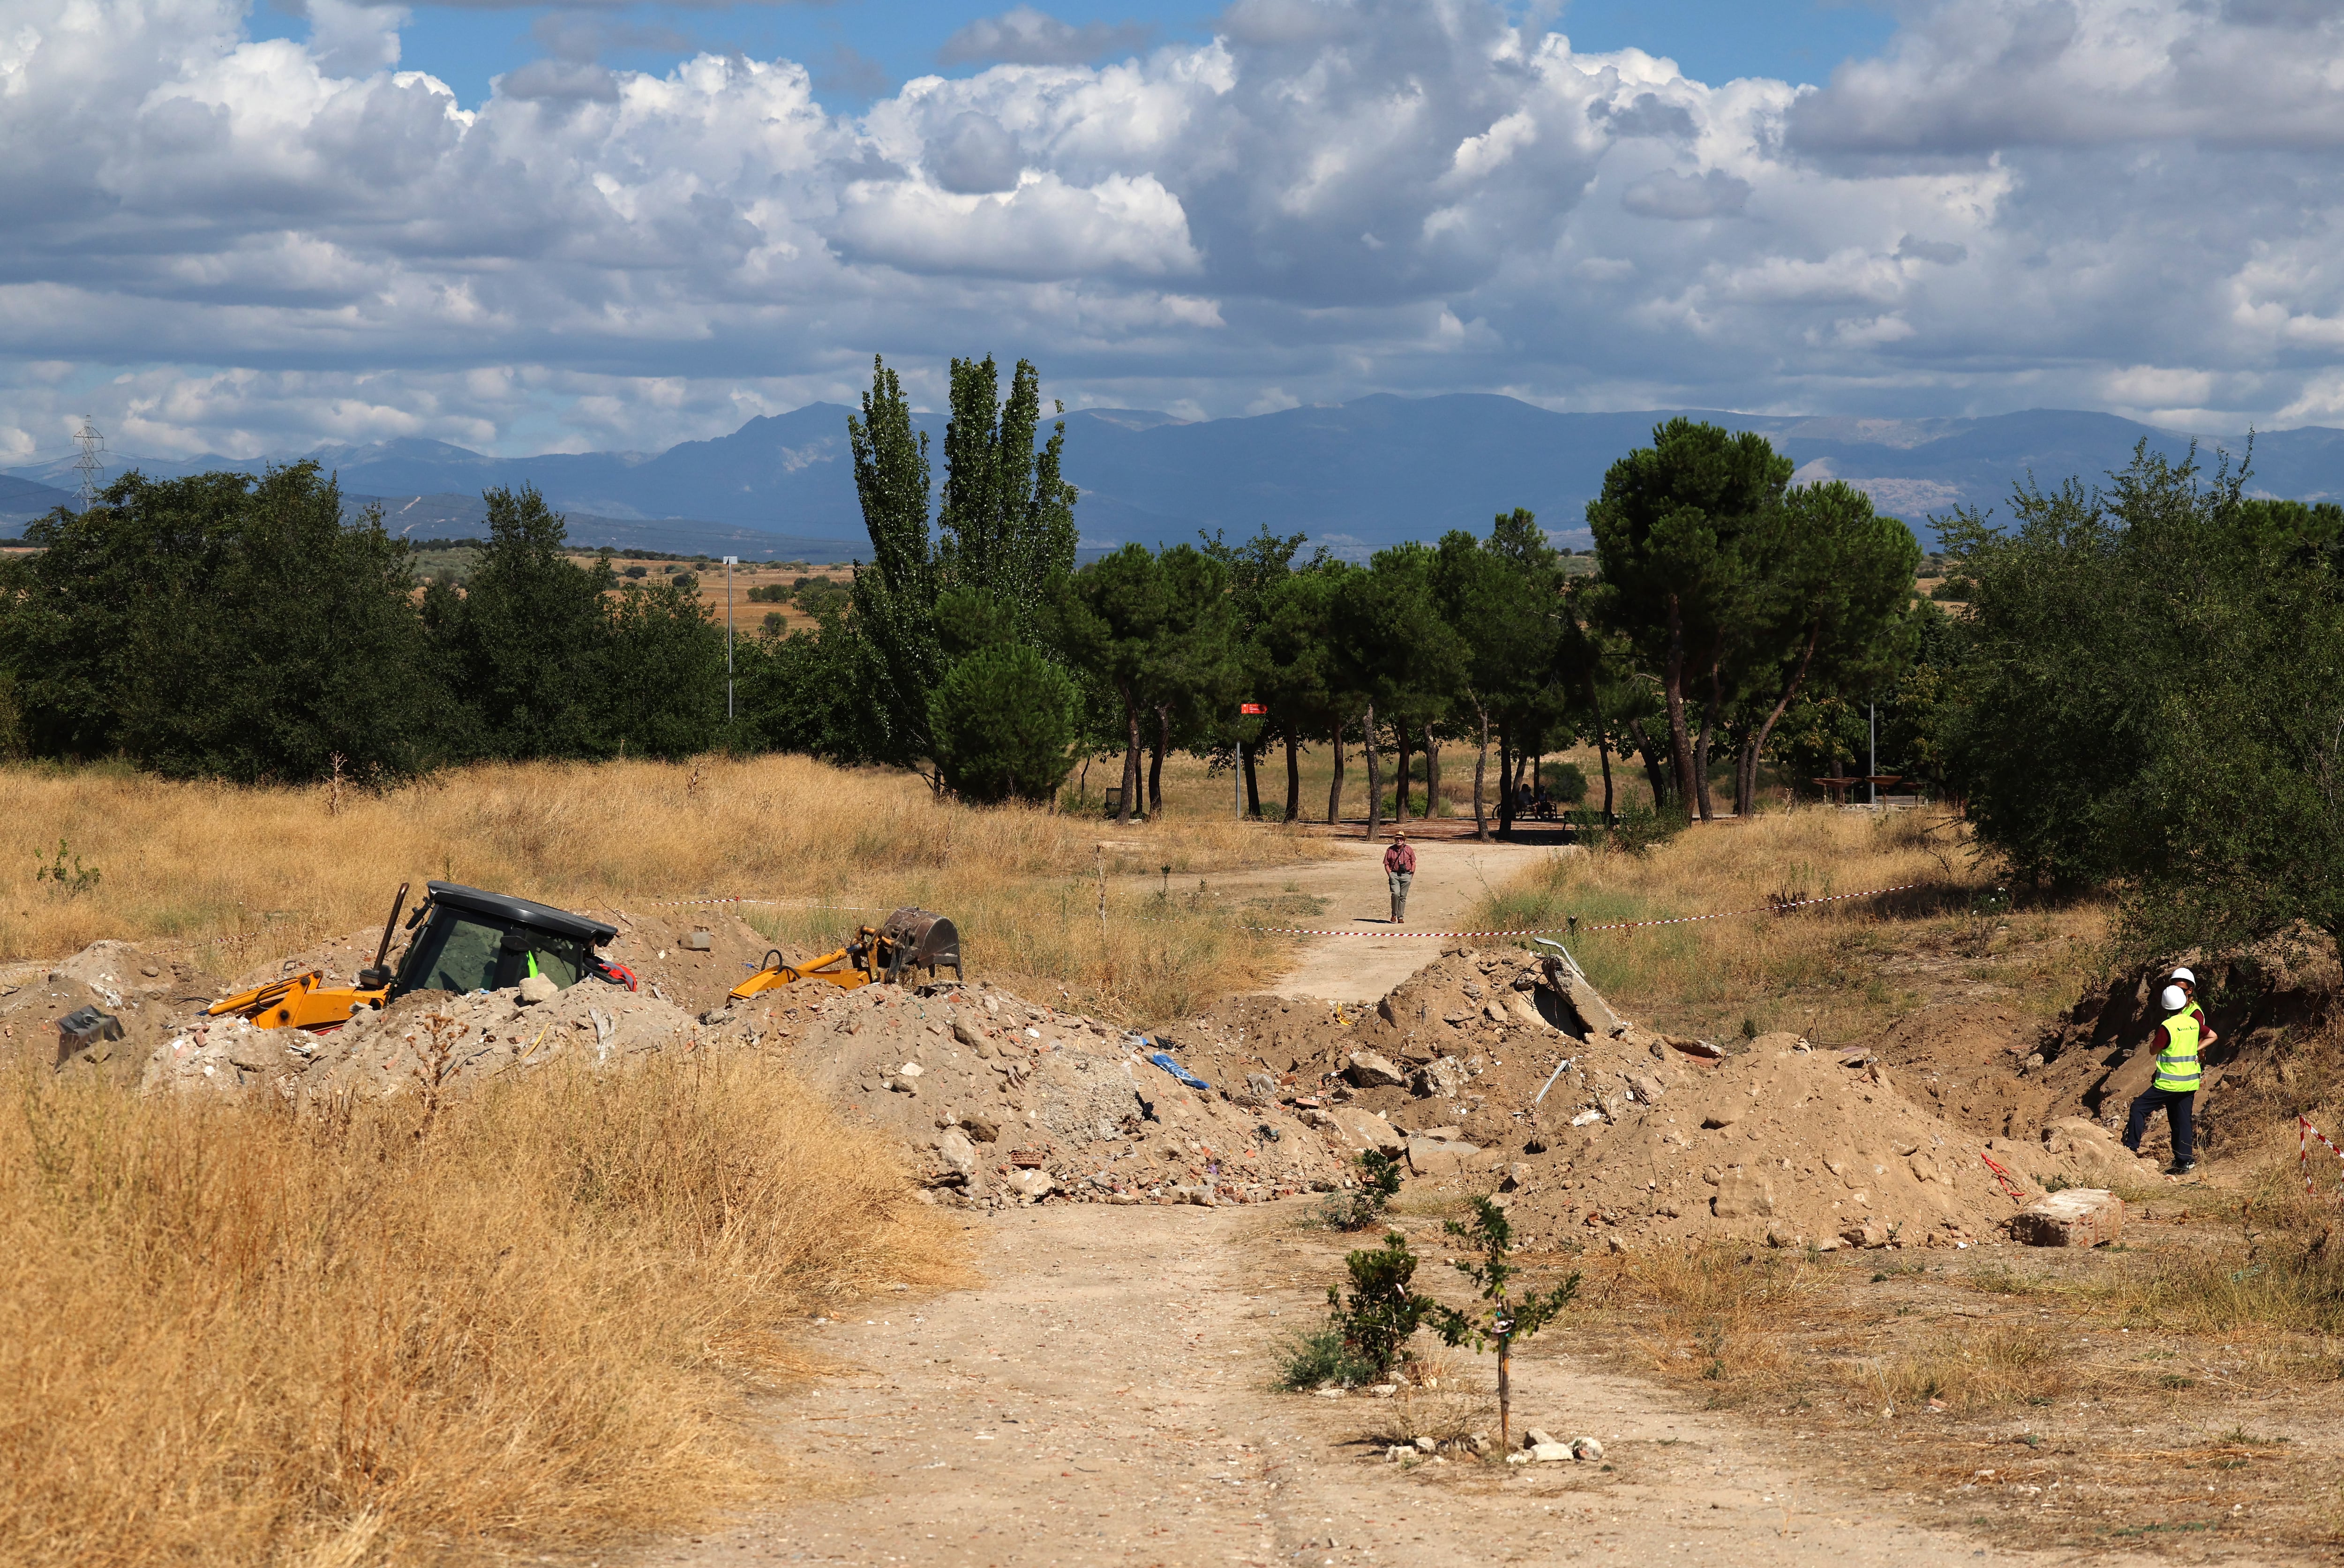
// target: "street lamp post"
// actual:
[[730, 563]]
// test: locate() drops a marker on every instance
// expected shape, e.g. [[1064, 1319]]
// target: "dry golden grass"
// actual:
[[250, 872], [230, 1335], [1833, 971]]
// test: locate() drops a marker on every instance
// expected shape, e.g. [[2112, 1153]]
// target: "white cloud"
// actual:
[[1023, 35], [240, 244]]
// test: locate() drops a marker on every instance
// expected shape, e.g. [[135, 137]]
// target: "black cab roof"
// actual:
[[526, 912]]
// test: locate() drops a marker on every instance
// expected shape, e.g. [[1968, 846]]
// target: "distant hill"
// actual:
[[22, 500], [1355, 478]]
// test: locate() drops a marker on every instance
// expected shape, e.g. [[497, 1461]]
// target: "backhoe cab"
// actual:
[[470, 941], [910, 938]]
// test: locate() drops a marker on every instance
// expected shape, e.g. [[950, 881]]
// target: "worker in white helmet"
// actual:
[[2178, 1042]]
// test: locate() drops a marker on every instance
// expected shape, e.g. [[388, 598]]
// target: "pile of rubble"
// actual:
[[1495, 1067], [1485, 1069], [1003, 1100]]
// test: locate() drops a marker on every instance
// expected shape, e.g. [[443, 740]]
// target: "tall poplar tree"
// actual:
[[895, 595]]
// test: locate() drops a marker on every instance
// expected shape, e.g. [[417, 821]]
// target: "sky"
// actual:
[[610, 225]]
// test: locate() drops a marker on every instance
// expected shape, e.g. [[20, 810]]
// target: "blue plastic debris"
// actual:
[[1178, 1071]]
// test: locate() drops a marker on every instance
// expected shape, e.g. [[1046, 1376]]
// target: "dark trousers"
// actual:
[[2176, 1105]]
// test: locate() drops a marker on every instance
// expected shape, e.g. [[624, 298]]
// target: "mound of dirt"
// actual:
[[149, 992], [1641, 1137]]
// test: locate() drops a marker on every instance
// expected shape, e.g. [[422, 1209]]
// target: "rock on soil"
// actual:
[[2078, 1216]]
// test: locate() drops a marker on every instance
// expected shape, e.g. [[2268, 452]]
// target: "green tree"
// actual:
[[2152, 693], [1296, 673], [1830, 603], [1395, 650], [1681, 528], [1007, 522], [1503, 1317], [665, 693], [1382, 1309], [222, 625], [1256, 570], [1110, 616], [1499, 598], [894, 596], [530, 638], [1004, 532], [1192, 673]]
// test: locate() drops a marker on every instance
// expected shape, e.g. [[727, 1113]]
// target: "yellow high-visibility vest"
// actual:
[[2177, 1064]]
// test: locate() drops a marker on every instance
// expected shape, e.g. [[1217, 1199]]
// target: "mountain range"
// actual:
[[1354, 476]]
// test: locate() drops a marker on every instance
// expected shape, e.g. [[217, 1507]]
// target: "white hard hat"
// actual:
[[2183, 975], [2173, 1000]]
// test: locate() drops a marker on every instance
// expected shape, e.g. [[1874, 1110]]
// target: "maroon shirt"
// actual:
[[1400, 857]]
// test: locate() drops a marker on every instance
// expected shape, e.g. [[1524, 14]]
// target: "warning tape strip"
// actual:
[[2017, 1194], [1610, 926], [2304, 1133]]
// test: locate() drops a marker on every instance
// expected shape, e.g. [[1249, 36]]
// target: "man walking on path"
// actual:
[[2174, 1091], [1400, 870]]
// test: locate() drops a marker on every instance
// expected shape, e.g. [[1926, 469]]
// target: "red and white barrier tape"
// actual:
[[2304, 1133], [2017, 1194], [1611, 926]]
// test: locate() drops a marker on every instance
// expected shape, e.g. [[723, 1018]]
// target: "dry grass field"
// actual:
[[233, 1335], [1835, 972], [247, 873]]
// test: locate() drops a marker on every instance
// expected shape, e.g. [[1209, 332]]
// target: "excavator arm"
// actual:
[[301, 1001], [910, 938], [847, 969]]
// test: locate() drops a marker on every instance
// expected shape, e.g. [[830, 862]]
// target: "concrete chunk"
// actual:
[[2079, 1216], [1441, 1156]]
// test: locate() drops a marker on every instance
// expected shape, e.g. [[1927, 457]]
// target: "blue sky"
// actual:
[[861, 48]]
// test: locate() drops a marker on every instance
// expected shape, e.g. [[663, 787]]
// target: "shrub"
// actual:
[[637, 572], [1382, 1310], [1567, 781], [1003, 722], [1364, 1205], [1317, 1358]]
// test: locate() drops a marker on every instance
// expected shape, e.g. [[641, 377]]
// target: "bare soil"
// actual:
[[1105, 1399]]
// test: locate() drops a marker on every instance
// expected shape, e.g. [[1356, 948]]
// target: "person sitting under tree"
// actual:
[[1400, 870], [2174, 1089]]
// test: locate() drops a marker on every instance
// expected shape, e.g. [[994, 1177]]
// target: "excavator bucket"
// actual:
[[916, 937]]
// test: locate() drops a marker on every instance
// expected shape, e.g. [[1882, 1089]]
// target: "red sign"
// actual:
[[1252, 708]]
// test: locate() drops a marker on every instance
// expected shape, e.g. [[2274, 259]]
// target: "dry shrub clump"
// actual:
[[230, 1334], [252, 872], [1967, 1370], [1716, 1313]]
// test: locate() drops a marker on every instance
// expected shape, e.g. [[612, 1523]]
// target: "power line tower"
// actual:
[[91, 464]]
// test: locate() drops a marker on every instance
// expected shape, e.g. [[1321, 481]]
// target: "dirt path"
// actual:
[[1452, 876], [1103, 1399]]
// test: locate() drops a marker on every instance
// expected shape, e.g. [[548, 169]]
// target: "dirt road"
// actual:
[[1104, 1400], [1452, 874]]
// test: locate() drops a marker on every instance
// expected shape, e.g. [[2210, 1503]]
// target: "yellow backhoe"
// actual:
[[910, 938], [471, 940]]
